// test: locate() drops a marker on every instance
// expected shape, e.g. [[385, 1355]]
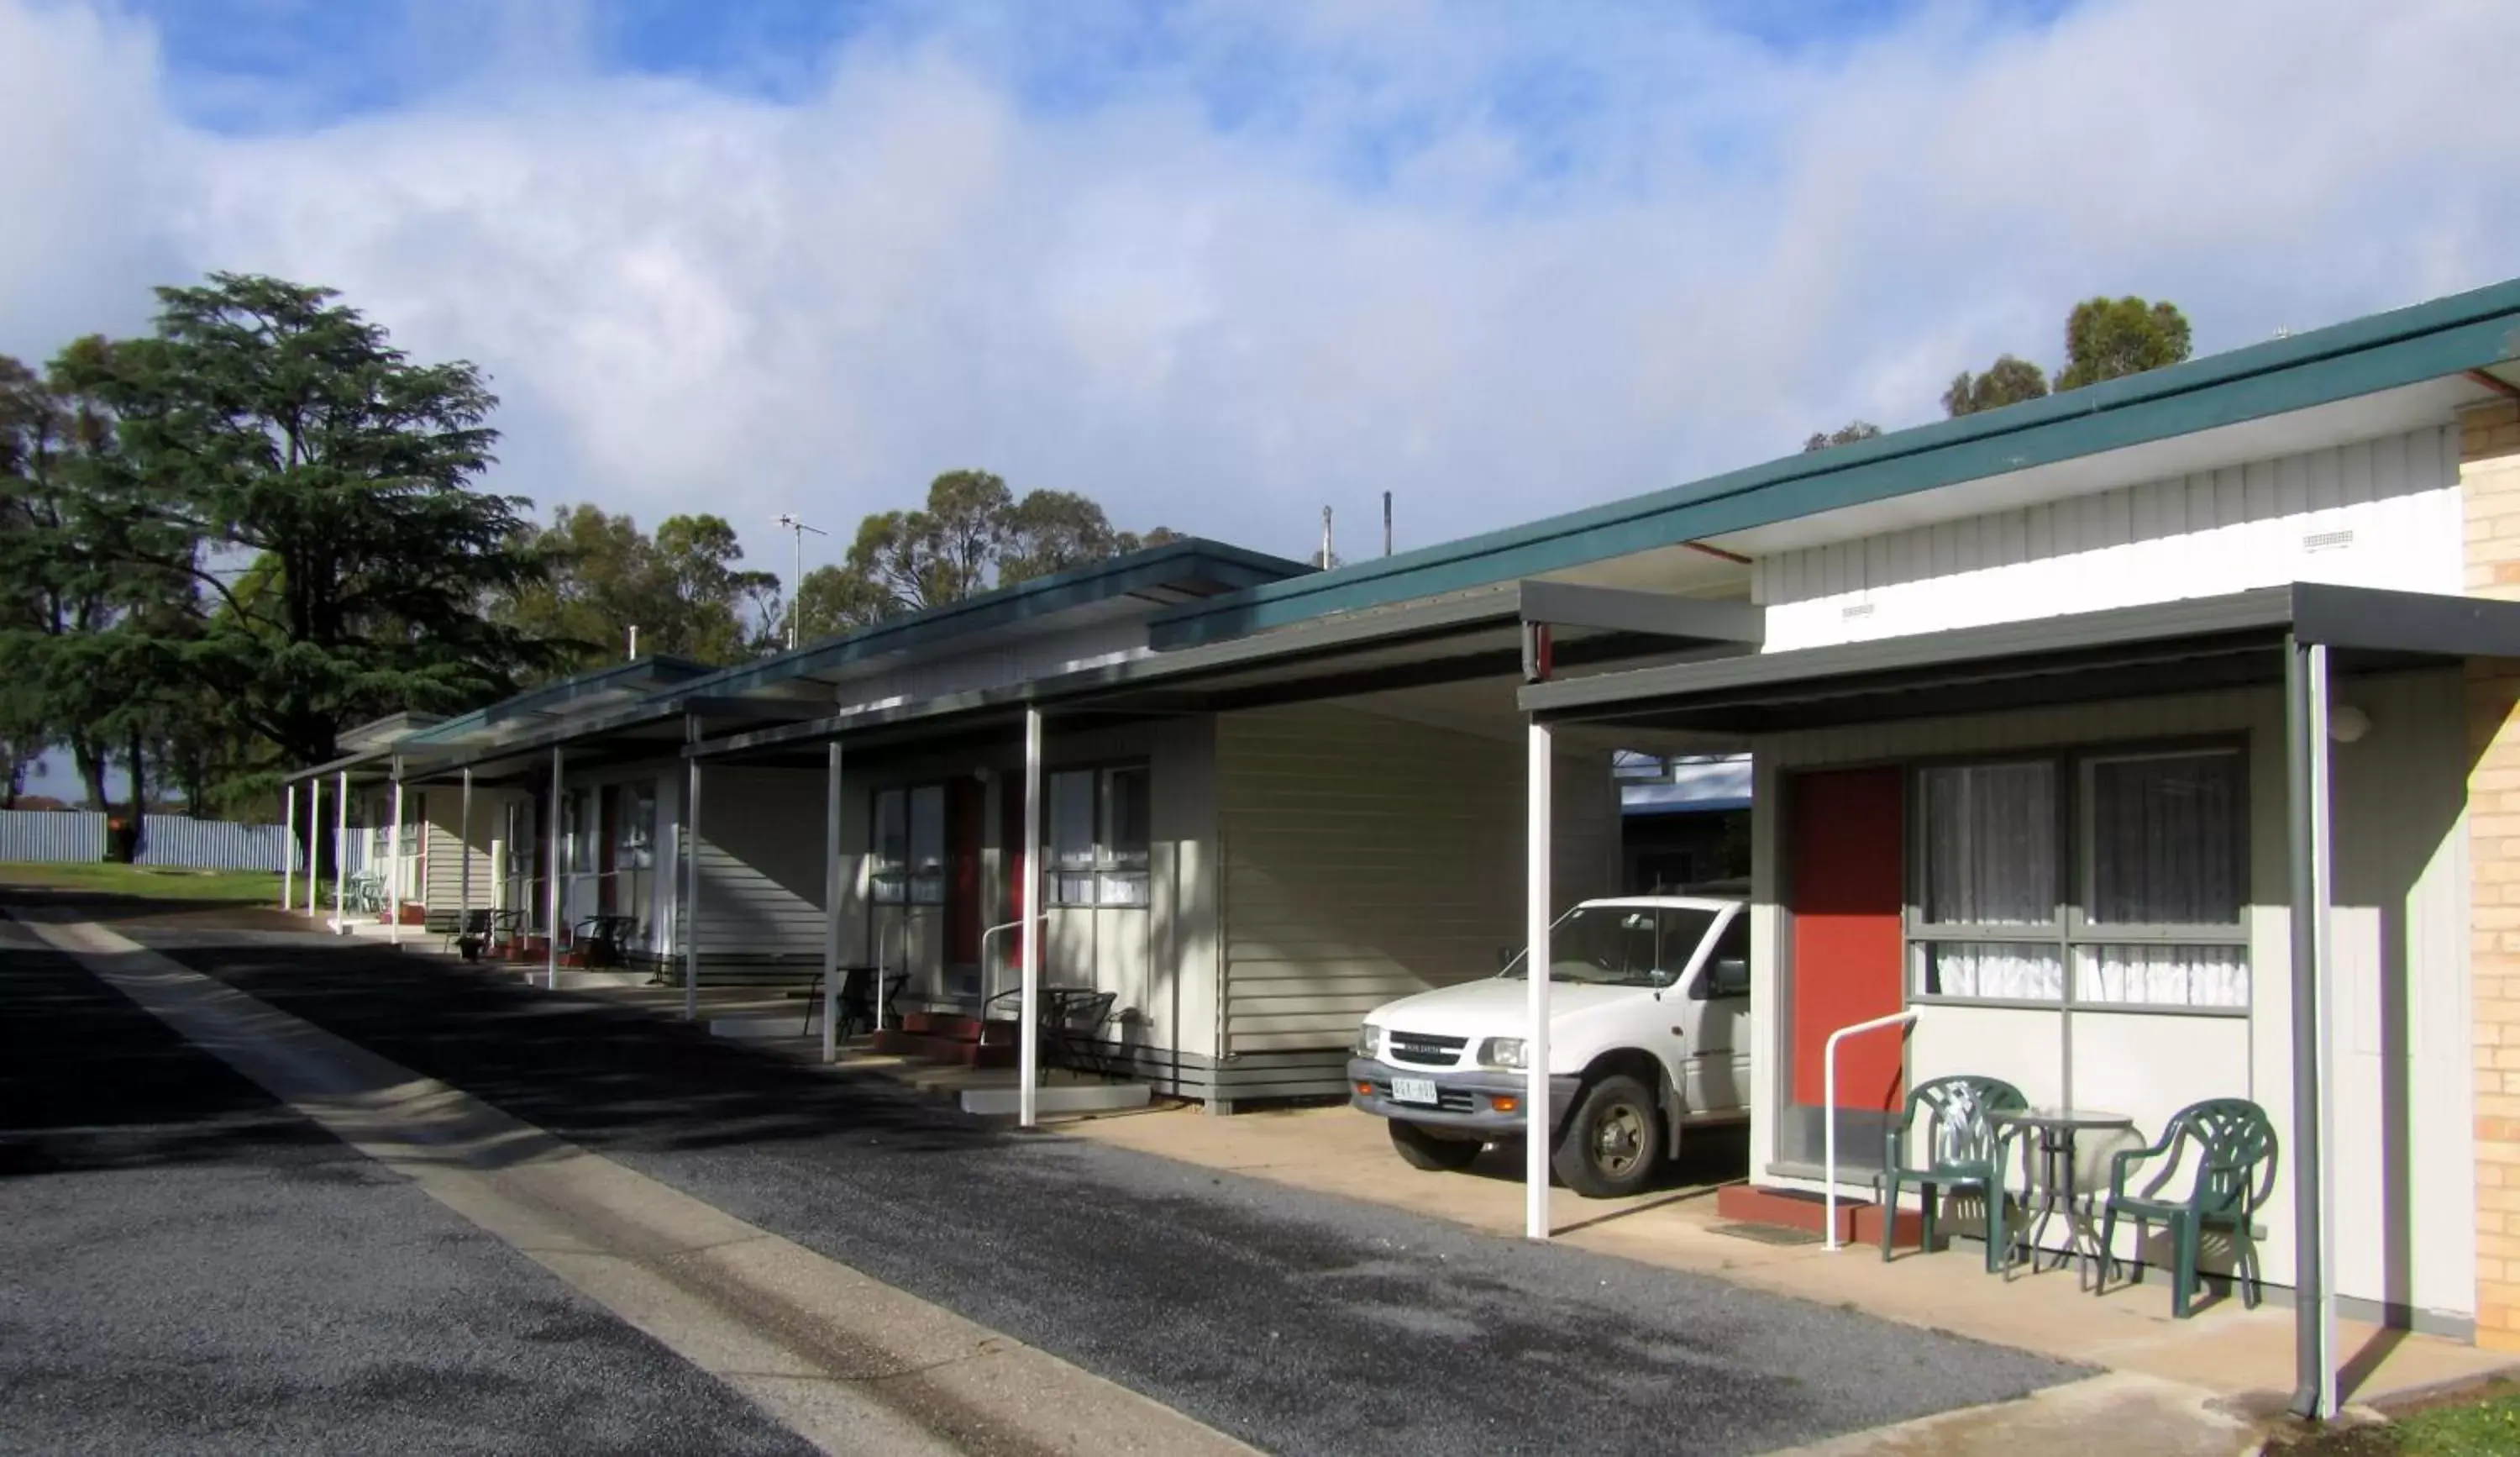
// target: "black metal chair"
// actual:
[[604, 940], [470, 936], [1071, 1020], [508, 930], [857, 1001]]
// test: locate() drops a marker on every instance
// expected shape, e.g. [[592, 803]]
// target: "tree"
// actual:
[[310, 486], [710, 596], [2109, 339], [2008, 380], [972, 535], [682, 588], [1845, 434], [58, 595]]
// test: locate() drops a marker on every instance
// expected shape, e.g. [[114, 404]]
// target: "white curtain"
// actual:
[[2166, 841], [2165, 850], [1991, 844], [2165, 975], [1992, 968]]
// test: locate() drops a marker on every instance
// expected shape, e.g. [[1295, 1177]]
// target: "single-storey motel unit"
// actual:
[[2148, 743]]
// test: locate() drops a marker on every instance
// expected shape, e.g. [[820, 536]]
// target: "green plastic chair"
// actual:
[[2234, 1162], [1967, 1151]]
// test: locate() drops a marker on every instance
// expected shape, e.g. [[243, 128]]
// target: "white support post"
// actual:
[[464, 860], [2322, 899], [832, 906], [1028, 1058], [1536, 964], [315, 842], [288, 848], [2310, 837], [340, 850], [692, 896], [551, 883], [394, 864]]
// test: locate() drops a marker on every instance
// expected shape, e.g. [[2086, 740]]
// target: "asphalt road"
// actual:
[[1301, 1323], [185, 1267]]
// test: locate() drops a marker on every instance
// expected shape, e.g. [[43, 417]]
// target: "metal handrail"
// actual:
[[988, 981], [1828, 1111]]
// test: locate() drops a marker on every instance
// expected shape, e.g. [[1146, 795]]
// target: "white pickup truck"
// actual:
[[1648, 1035]]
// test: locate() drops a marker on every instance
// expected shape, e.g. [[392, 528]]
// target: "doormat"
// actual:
[[1767, 1234]]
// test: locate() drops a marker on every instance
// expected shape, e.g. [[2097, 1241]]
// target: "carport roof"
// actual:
[[802, 680], [2209, 641], [2408, 347], [1462, 636]]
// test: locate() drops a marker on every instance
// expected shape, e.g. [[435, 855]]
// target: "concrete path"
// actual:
[[849, 1363]]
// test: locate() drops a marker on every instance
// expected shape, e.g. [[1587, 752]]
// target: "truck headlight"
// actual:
[[1501, 1052], [1369, 1040]]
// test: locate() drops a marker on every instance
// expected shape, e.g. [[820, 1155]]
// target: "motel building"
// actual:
[[2146, 743]]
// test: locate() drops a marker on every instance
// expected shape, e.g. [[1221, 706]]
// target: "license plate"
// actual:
[[1413, 1090]]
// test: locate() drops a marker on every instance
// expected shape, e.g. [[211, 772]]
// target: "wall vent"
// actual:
[[1855, 610], [2327, 541]]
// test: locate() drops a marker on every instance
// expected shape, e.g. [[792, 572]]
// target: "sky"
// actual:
[[1219, 264]]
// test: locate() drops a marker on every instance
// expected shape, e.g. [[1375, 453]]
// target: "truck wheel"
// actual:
[[1433, 1151], [1612, 1145]]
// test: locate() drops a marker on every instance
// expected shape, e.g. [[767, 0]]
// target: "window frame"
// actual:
[[2070, 930], [1110, 865], [903, 883]]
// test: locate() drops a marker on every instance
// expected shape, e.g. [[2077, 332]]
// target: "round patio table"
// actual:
[[2056, 1189]]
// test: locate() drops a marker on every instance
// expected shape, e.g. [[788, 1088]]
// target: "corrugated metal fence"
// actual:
[[173, 841]]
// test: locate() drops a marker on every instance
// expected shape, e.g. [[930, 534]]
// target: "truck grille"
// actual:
[[1422, 1050]]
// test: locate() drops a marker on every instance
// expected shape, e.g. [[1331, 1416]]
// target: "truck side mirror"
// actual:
[[1726, 977]]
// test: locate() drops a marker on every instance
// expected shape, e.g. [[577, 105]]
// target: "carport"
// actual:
[[2297, 652], [1420, 665]]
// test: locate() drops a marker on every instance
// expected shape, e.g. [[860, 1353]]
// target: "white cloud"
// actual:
[[1312, 255]]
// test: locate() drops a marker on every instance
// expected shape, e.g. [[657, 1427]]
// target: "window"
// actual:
[[1728, 966], [634, 842], [2142, 900], [1619, 945], [907, 865], [908, 862], [1101, 831], [525, 847], [2166, 869]]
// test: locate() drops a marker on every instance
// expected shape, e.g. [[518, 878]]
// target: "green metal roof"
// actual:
[[2363, 356], [1174, 564], [657, 670]]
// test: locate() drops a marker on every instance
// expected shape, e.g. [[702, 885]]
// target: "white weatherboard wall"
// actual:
[[1367, 859], [2381, 512], [444, 861], [2404, 1172], [761, 863]]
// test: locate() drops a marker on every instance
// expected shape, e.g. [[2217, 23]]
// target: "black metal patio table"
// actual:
[[2056, 1191]]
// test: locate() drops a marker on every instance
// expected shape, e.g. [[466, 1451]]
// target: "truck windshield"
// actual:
[[1622, 946]]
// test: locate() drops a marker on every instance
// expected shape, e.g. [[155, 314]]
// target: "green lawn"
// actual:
[[230, 886], [2483, 1424], [2488, 1428]]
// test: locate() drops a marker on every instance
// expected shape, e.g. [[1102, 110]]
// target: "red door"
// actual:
[[966, 911], [1017, 857], [1844, 837]]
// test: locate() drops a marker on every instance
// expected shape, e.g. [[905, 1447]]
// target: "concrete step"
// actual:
[[1858, 1219], [1075, 1097], [960, 1051]]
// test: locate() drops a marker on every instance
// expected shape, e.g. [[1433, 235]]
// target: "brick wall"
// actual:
[[2489, 484]]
